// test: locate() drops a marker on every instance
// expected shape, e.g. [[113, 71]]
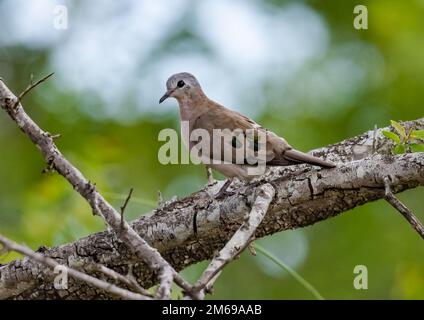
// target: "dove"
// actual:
[[200, 112]]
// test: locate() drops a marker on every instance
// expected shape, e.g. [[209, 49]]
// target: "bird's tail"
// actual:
[[300, 157]]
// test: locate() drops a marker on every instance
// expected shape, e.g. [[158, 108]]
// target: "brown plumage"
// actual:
[[203, 113]]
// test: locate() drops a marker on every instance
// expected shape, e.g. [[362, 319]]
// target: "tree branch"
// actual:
[[124, 206], [48, 262], [30, 87], [399, 206]]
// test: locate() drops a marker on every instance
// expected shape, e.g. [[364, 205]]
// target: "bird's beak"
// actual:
[[165, 96]]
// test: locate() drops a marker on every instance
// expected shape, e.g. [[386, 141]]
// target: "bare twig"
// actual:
[[30, 87], [241, 238], [49, 262], [56, 136], [128, 280], [398, 205], [124, 206]]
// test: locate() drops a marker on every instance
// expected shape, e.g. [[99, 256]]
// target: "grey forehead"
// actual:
[[185, 76]]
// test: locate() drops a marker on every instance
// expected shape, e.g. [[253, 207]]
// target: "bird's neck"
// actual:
[[192, 106]]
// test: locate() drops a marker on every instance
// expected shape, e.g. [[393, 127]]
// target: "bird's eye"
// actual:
[[180, 84]]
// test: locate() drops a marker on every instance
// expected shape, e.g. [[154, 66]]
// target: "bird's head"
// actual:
[[181, 85]]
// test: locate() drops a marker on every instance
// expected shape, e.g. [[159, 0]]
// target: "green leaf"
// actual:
[[292, 272], [416, 147], [391, 135], [399, 149], [399, 128], [419, 134]]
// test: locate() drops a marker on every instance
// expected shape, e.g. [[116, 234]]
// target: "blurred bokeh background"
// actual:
[[298, 67]]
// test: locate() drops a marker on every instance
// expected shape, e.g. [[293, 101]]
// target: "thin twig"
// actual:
[[398, 205], [128, 280], [30, 87], [124, 206], [49, 262]]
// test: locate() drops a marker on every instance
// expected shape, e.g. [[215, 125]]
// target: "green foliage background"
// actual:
[[119, 152]]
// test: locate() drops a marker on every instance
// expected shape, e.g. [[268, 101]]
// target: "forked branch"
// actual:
[[399, 206]]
